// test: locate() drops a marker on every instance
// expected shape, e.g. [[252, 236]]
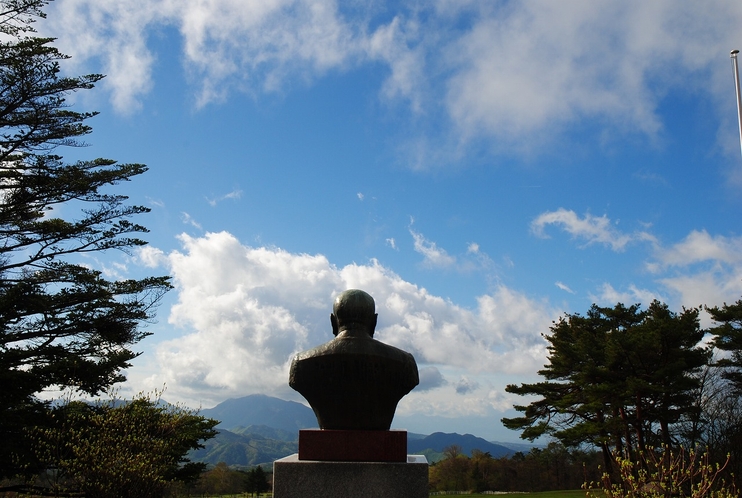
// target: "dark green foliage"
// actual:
[[728, 338], [220, 480], [541, 469], [619, 378], [62, 324], [256, 481]]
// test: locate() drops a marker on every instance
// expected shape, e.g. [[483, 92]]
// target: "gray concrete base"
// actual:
[[294, 478]]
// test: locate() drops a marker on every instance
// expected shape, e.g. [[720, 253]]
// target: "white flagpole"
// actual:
[[733, 55]]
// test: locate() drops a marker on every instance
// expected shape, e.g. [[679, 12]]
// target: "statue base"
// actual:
[[352, 446], [294, 478]]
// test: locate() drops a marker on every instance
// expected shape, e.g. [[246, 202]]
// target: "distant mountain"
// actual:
[[438, 441], [268, 432], [259, 409], [258, 429], [242, 450]]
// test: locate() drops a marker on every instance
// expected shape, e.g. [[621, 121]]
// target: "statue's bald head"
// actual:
[[354, 308]]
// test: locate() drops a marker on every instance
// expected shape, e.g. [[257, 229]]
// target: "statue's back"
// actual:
[[354, 384]]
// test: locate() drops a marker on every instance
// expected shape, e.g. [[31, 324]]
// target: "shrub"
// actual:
[[664, 473]]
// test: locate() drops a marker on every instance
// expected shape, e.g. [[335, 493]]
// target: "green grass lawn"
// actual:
[[574, 493]]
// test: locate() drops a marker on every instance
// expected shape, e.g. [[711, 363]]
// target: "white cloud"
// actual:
[[698, 247], [536, 67], [150, 257], [591, 229], [701, 269], [227, 45], [233, 195], [564, 287], [245, 311], [608, 296], [188, 220], [430, 378], [433, 256], [391, 44], [516, 72], [465, 385]]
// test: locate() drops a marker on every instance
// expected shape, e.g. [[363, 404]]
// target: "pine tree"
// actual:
[[62, 324], [728, 338], [619, 379]]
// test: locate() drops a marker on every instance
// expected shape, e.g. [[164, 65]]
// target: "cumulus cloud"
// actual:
[[245, 311], [465, 385], [591, 229], [150, 257], [430, 378]]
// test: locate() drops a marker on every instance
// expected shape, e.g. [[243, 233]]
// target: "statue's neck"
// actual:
[[353, 333]]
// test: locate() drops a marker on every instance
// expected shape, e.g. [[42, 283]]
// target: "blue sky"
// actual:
[[480, 168]]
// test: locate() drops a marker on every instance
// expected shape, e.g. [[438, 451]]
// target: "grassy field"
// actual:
[[576, 493]]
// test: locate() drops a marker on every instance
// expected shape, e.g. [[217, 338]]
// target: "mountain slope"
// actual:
[[259, 409], [259, 429], [242, 450]]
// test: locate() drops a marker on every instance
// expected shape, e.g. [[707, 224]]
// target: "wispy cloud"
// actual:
[[188, 220], [701, 268], [564, 287], [487, 77], [235, 194], [591, 229], [433, 256], [608, 296], [700, 246]]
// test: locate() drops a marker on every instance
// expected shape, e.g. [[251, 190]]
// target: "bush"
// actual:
[[134, 448], [664, 473]]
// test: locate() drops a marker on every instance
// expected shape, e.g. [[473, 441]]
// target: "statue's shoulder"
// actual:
[[321, 350], [344, 346]]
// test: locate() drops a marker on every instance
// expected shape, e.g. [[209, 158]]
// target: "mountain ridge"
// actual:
[[258, 429]]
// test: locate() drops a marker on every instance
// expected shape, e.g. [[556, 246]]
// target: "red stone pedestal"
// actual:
[[352, 446]]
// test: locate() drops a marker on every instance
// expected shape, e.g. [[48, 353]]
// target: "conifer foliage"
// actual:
[[62, 324], [621, 379]]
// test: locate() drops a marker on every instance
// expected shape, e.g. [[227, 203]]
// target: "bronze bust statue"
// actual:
[[354, 382]]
